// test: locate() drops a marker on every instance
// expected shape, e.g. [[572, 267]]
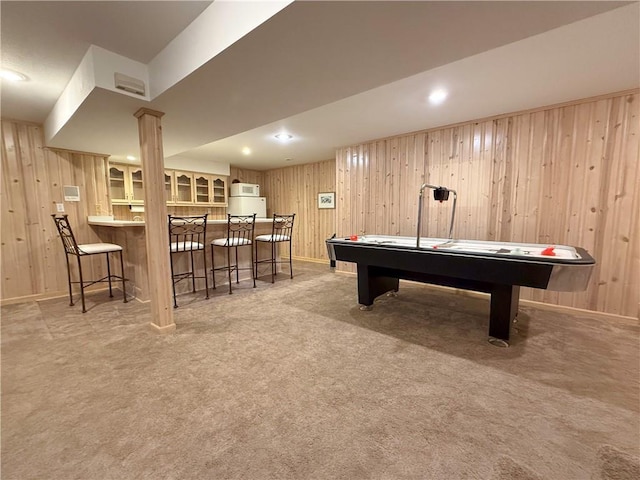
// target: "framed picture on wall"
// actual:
[[327, 200]]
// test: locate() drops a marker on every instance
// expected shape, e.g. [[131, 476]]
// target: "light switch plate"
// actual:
[[60, 207]]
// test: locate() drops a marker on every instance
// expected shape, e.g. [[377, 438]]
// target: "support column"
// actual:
[[156, 230]]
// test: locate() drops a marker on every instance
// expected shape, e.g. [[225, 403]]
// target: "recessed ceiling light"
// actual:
[[131, 157], [12, 75], [284, 137], [438, 96], [246, 151]]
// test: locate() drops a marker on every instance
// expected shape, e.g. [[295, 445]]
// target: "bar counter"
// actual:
[[130, 234]]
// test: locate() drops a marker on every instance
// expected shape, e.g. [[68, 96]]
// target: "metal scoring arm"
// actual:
[[441, 194]]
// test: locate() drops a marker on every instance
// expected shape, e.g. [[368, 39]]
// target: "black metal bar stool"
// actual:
[[240, 229], [281, 231], [188, 234], [71, 247]]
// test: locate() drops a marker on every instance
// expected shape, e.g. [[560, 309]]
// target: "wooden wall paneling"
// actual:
[[295, 190], [32, 180], [54, 259], [354, 213], [361, 192], [527, 177], [451, 164], [405, 183], [342, 198], [527, 184], [484, 164], [442, 211], [460, 177], [470, 181], [326, 227], [564, 188], [301, 178], [631, 154], [467, 182], [417, 159], [433, 212], [246, 176], [307, 191], [576, 196], [13, 205], [74, 173], [478, 181], [505, 177], [65, 165], [375, 153], [395, 185], [100, 185], [594, 115], [32, 162], [621, 162], [43, 233], [401, 168], [496, 172], [427, 177]]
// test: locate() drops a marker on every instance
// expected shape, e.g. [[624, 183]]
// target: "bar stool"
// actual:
[[281, 231], [188, 234], [71, 247], [240, 229]]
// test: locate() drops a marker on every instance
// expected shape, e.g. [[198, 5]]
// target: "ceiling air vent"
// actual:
[[129, 84]]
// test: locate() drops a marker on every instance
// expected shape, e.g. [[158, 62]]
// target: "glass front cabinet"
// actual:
[[125, 185], [203, 189], [178, 187], [219, 191]]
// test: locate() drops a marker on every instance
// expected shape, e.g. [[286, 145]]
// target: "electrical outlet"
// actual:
[[60, 207]]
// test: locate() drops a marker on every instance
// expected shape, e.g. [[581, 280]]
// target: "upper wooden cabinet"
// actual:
[[125, 184], [220, 191], [188, 188], [181, 188], [202, 184]]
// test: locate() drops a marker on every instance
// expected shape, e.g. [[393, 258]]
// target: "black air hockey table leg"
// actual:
[[371, 285], [504, 308]]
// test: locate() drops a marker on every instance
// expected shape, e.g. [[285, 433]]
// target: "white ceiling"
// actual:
[[329, 73]]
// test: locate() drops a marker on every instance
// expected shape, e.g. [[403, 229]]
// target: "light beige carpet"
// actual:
[[293, 381]]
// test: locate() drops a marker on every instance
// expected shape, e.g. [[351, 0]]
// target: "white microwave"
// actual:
[[244, 190]]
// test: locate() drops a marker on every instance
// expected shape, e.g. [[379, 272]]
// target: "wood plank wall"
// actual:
[[561, 175], [295, 190], [247, 176], [32, 179]]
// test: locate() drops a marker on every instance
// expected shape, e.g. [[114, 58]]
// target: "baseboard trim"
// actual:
[[307, 259], [39, 297], [163, 330]]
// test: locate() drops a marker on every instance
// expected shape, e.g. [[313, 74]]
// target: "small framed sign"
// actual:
[[327, 200]]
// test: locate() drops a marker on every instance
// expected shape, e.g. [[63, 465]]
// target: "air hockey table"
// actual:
[[496, 268]]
